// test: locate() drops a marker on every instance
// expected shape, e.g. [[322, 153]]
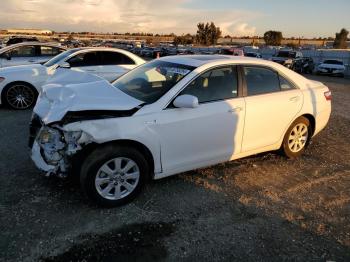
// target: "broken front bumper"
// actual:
[[52, 148], [39, 160]]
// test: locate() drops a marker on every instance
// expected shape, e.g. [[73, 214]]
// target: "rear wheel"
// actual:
[[20, 96], [296, 138], [113, 175]]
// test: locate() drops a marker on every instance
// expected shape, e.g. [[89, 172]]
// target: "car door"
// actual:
[[272, 102], [113, 64], [22, 55], [209, 134]]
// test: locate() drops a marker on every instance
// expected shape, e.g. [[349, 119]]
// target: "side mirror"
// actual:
[[7, 56], [64, 65], [186, 101]]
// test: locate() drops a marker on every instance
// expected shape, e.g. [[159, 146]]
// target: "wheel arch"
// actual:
[[88, 149], [312, 121]]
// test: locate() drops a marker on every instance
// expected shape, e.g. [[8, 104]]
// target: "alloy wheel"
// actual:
[[117, 178], [20, 96], [298, 137]]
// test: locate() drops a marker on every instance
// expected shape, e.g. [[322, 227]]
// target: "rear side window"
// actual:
[[49, 51], [115, 58], [84, 59], [216, 84], [261, 80], [23, 51], [285, 84]]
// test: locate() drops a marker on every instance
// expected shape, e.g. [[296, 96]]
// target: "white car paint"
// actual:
[[6, 59], [182, 139], [36, 75], [330, 68]]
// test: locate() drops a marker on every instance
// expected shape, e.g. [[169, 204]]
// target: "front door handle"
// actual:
[[235, 109], [294, 99]]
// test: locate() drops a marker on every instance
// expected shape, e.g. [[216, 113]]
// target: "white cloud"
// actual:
[[158, 16]]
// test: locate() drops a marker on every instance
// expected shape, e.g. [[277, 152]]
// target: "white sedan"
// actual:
[[20, 85], [173, 115], [331, 67]]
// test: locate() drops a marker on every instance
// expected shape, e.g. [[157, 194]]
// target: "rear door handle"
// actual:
[[235, 109], [294, 98]]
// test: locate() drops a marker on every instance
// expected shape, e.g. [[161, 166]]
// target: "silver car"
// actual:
[[28, 53]]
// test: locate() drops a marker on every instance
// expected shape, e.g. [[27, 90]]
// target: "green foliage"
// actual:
[[341, 38], [273, 38], [184, 40], [207, 34]]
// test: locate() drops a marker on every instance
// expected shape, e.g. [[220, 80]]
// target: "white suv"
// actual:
[[172, 115]]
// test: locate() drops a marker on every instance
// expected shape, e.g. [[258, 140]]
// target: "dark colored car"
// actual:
[[17, 40], [303, 65]]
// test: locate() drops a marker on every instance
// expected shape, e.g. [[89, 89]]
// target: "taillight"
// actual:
[[328, 95]]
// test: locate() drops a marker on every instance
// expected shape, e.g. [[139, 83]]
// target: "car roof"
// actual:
[[200, 60], [30, 43]]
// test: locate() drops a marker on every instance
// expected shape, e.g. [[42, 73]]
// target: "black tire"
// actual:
[[28, 92], [97, 159], [285, 148]]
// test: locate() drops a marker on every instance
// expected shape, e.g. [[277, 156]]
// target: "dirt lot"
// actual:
[[259, 208]]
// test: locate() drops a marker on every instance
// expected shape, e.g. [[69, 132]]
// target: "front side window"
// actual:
[[216, 84], [84, 59], [115, 58], [23, 51], [60, 57], [261, 80], [151, 81]]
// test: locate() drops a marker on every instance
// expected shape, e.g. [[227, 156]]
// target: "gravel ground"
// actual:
[[259, 208]]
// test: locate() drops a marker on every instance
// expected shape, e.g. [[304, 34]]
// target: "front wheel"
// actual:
[[296, 138], [20, 96], [113, 175]]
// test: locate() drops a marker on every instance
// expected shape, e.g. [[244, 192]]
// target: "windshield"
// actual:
[[60, 57], [286, 54], [333, 62], [151, 81]]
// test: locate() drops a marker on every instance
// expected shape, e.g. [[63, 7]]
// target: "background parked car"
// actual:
[[253, 54], [28, 53], [303, 65], [17, 40], [20, 85], [331, 67], [286, 57]]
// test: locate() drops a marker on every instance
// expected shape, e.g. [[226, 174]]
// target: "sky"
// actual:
[[299, 18]]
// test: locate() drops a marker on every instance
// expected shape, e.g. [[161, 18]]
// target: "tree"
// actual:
[[273, 37], [341, 38], [184, 40], [207, 34]]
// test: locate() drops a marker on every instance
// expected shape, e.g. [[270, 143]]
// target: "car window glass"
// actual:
[[115, 58], [216, 84], [261, 80], [285, 84], [23, 51], [49, 51], [84, 59], [152, 80]]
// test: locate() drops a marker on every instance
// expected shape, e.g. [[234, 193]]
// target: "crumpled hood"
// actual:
[[90, 93]]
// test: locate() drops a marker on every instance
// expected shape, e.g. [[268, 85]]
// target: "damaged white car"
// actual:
[[172, 115]]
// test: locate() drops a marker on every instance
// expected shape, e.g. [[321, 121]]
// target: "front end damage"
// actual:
[[53, 148]]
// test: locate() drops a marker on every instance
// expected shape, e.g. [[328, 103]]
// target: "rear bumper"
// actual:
[[322, 119]]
